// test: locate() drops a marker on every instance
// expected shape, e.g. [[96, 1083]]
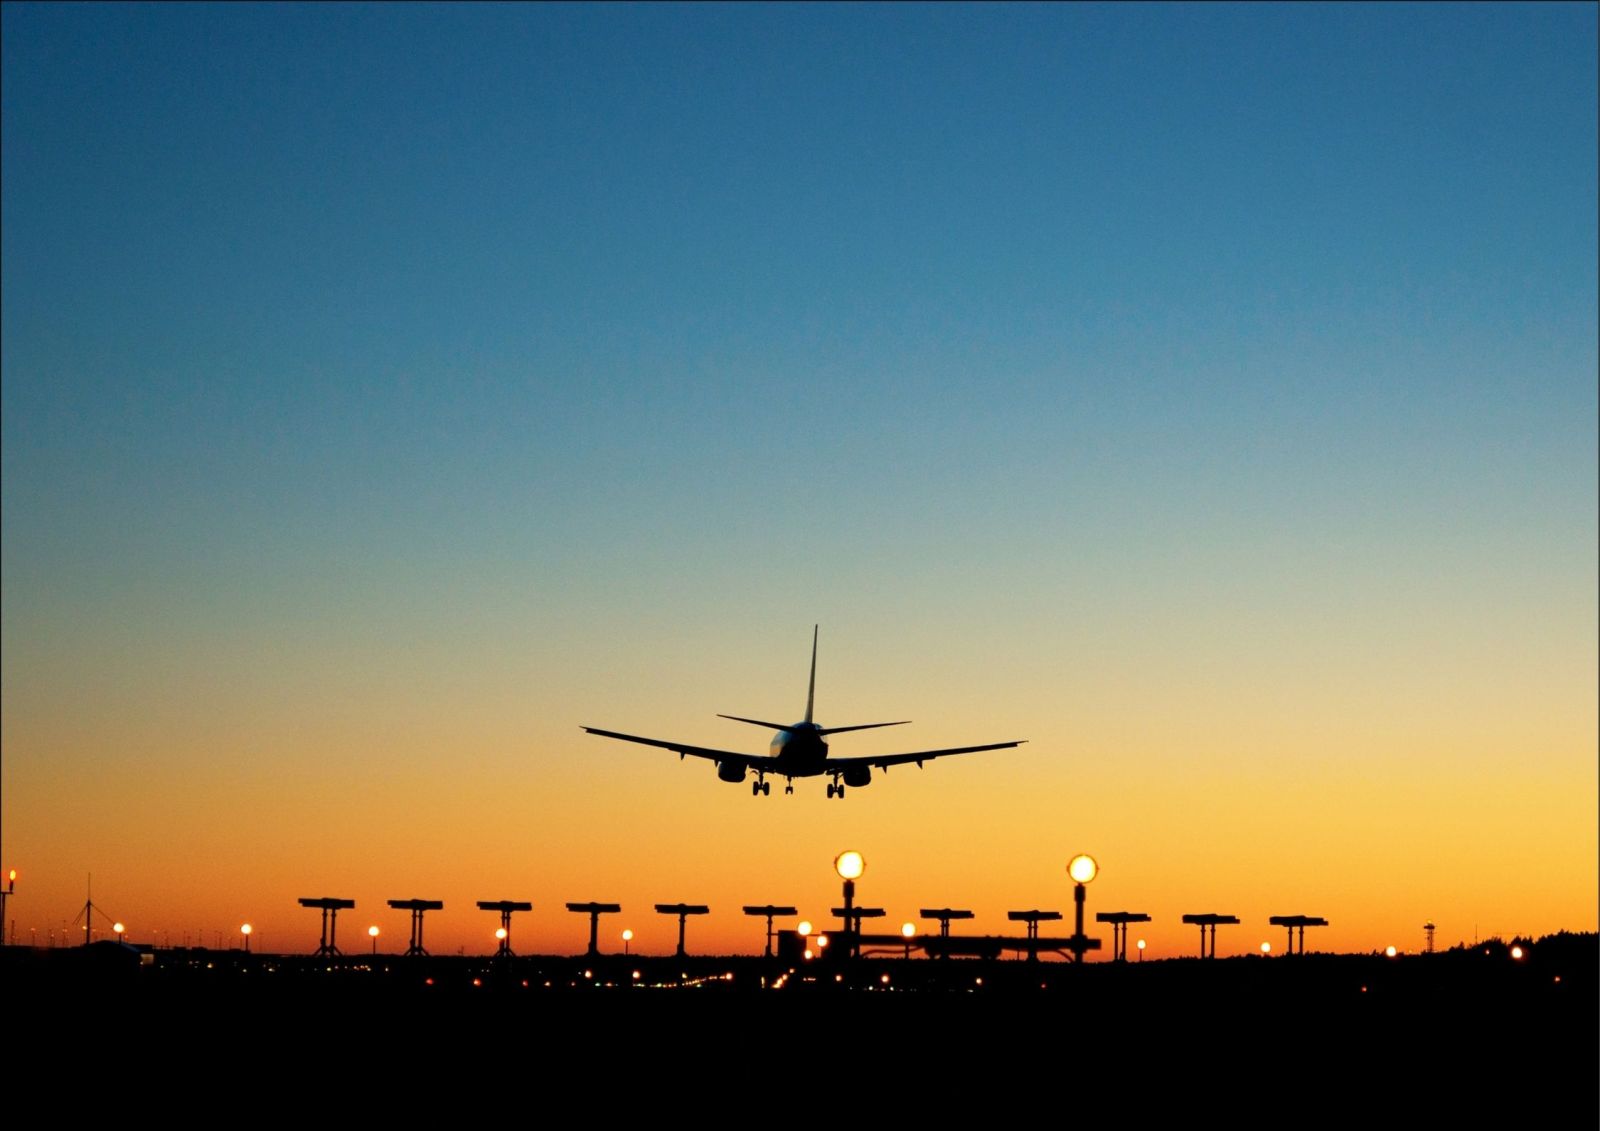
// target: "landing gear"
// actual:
[[760, 788], [835, 790], [789, 788]]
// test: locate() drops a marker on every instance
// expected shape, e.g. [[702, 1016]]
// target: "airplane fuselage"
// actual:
[[800, 750]]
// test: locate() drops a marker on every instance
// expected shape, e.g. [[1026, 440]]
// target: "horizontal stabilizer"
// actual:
[[861, 726], [755, 722]]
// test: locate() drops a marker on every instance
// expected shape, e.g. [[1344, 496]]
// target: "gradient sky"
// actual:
[[1204, 394]]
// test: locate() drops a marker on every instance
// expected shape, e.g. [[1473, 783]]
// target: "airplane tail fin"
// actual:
[[811, 691]]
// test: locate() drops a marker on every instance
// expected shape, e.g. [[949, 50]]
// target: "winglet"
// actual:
[[811, 691]]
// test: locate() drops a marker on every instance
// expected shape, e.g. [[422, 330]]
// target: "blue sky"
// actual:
[[457, 338]]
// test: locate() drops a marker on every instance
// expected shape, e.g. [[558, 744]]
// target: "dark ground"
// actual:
[[1304, 1039]]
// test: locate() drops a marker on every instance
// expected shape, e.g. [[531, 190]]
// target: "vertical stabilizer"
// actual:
[[811, 691]]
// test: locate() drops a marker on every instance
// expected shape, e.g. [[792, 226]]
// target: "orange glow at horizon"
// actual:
[[1376, 830]]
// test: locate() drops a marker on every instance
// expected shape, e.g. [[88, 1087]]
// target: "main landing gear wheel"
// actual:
[[835, 790], [760, 788]]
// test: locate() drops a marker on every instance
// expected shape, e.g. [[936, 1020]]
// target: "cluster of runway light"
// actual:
[[813, 945]]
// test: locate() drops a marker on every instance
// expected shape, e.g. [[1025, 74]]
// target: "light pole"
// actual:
[[1141, 950], [849, 865], [247, 930], [627, 939], [908, 931], [6, 893], [372, 933], [1083, 870]]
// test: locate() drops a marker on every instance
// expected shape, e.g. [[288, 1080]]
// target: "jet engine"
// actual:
[[858, 775], [731, 771]]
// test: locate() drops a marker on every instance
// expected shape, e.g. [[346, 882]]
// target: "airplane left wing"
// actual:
[[757, 761], [884, 761]]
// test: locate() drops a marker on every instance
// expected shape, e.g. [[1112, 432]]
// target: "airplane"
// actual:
[[798, 750]]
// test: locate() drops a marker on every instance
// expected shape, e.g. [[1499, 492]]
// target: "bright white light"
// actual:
[[246, 929], [627, 935], [1390, 951], [1083, 868], [1516, 952], [908, 930], [500, 933], [373, 932], [804, 928], [1266, 948], [1141, 944], [849, 865]]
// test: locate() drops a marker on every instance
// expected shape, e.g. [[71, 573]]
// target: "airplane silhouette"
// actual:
[[798, 750]]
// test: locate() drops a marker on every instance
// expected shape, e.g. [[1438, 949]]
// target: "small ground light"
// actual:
[[884, 979], [809, 955], [1516, 952], [636, 975], [1390, 951]]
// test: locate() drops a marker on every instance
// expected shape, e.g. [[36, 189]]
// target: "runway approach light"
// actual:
[[1083, 869], [1516, 952], [1390, 951], [908, 930], [851, 864], [804, 929]]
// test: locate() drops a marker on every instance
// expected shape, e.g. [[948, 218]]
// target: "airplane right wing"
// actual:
[[753, 761], [884, 761]]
